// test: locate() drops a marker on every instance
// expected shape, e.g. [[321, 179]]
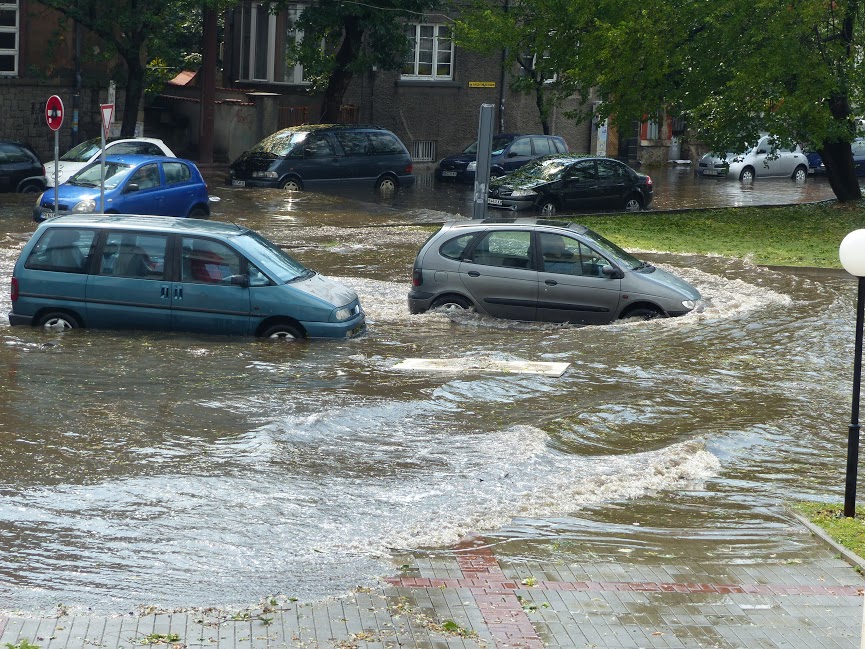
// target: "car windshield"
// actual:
[[545, 169], [280, 143], [83, 152], [625, 258], [115, 173], [499, 144], [265, 253]]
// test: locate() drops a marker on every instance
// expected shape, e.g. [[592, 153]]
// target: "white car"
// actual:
[[83, 154], [761, 161]]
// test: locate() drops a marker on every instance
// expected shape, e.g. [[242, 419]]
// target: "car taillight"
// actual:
[[44, 173], [416, 277], [409, 168], [14, 288], [648, 181]]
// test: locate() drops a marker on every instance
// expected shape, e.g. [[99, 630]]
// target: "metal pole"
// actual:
[[102, 174], [56, 164], [482, 164], [853, 431]]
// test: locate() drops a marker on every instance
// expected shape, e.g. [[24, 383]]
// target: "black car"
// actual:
[[325, 156], [857, 147], [572, 182], [510, 151], [20, 169]]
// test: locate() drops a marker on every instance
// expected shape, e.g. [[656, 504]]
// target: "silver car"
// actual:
[[764, 160], [537, 269]]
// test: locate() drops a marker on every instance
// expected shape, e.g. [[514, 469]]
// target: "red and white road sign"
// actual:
[[107, 117], [54, 112]]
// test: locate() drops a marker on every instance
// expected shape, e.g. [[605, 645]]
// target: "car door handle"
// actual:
[[178, 292], [550, 282], [165, 291], [474, 273]]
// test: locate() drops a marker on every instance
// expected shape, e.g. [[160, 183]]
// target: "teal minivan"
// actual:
[[174, 274]]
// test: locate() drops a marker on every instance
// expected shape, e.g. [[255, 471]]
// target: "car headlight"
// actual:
[[342, 314], [264, 174], [85, 206], [472, 166], [689, 304], [522, 193]]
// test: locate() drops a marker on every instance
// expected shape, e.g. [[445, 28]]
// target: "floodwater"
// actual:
[[168, 470]]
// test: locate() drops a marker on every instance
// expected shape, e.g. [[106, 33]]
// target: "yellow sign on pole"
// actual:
[[482, 84]]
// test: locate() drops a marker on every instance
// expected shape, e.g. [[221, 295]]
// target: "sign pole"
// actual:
[[107, 117], [54, 118]]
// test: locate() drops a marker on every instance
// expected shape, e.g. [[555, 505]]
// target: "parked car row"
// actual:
[[763, 160]]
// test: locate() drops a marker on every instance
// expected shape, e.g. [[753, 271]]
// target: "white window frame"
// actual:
[[414, 61], [11, 5], [266, 35]]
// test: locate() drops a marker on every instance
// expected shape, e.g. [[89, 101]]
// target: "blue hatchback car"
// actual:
[[173, 274], [134, 184]]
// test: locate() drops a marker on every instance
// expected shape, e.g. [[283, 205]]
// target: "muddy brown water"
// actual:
[[175, 471]]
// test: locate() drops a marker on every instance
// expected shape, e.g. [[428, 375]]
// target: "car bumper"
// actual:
[[348, 329], [252, 182], [513, 204], [455, 175], [18, 319], [419, 301], [713, 172]]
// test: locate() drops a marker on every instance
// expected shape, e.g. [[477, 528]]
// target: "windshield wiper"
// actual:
[[644, 265]]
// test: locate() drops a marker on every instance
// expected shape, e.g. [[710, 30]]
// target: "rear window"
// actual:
[[542, 146], [176, 172], [385, 143], [454, 248], [560, 145], [64, 250]]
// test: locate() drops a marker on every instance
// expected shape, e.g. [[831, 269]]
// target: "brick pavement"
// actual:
[[472, 598]]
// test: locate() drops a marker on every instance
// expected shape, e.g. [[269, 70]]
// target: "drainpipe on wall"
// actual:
[[76, 96], [502, 85]]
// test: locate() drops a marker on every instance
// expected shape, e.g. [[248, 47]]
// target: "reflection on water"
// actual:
[[174, 470]]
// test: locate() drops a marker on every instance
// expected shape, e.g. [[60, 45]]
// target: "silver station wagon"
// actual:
[[173, 274], [536, 269]]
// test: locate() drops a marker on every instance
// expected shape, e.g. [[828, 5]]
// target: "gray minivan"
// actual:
[[166, 273], [537, 269]]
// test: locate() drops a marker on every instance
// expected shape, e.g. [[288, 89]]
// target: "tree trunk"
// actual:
[[341, 76], [543, 108], [134, 93], [838, 158]]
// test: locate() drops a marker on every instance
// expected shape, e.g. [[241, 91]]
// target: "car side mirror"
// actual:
[[763, 151], [512, 154], [307, 153], [131, 187], [612, 272], [239, 280]]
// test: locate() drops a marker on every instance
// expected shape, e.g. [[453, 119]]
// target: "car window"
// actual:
[[561, 147], [385, 142], [582, 171], [567, 256], [176, 172], [62, 249], [454, 248], [354, 142], [318, 146], [541, 145], [144, 148], [146, 176], [858, 147], [83, 152], [523, 146], [610, 170], [134, 254], [115, 173], [12, 153], [504, 248], [276, 260], [207, 261]]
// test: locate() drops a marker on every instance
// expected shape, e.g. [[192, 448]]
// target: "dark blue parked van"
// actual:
[[510, 151], [173, 274]]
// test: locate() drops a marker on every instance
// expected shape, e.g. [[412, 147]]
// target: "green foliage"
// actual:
[[24, 644], [762, 234], [847, 532]]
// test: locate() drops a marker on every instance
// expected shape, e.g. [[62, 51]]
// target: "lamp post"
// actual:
[[852, 255]]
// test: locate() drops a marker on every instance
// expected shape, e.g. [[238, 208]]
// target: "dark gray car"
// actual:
[[536, 269]]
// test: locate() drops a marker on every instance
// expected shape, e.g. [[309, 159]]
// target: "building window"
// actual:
[[432, 53], [8, 37], [265, 41], [423, 151]]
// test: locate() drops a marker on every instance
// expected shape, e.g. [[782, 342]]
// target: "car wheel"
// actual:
[[58, 321], [198, 213], [800, 174], [641, 313], [497, 172], [452, 303], [747, 175], [283, 331], [32, 188], [291, 185], [386, 186], [547, 208], [633, 204]]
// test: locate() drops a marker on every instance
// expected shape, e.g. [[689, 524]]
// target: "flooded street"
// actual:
[[171, 470]]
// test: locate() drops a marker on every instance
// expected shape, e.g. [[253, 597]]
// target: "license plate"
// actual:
[[452, 174], [494, 201], [710, 172], [238, 183]]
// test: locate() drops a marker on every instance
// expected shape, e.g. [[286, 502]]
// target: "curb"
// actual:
[[849, 556]]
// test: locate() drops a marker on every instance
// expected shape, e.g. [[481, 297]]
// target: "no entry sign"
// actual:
[[54, 112]]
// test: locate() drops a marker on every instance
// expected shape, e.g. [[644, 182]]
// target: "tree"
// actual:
[[524, 33], [341, 39], [732, 69], [134, 30]]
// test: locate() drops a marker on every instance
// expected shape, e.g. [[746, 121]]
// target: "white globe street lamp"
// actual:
[[852, 256]]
